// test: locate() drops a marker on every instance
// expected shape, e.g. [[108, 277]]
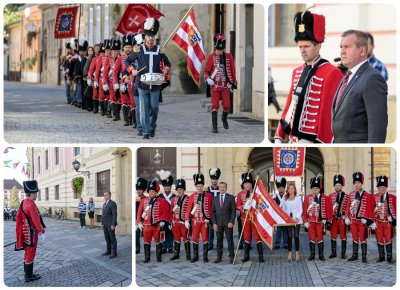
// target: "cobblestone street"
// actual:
[[42, 113], [275, 272], [69, 256]]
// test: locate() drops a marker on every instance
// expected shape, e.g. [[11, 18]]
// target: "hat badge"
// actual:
[[357, 176], [301, 28], [198, 179], [382, 180], [138, 183], [337, 178]]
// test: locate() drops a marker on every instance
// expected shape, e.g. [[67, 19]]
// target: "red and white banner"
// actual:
[[65, 22], [134, 16], [289, 161], [188, 39], [266, 214]]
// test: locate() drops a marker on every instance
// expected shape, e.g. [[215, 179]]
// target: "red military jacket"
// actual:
[[316, 212], [339, 208], [240, 202], [99, 66], [153, 213], [119, 69], [382, 210], [92, 68], [28, 224], [311, 120], [199, 210], [179, 208], [222, 75], [364, 209], [108, 69]]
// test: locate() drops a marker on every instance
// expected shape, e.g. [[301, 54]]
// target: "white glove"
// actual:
[[95, 84], [324, 221], [76, 56], [68, 82], [43, 237], [162, 224], [170, 227], [210, 81], [247, 205], [347, 221], [364, 221], [229, 86], [105, 87], [122, 88], [89, 83], [116, 87], [207, 221], [390, 219], [187, 225], [306, 225], [373, 226], [140, 226], [278, 141]]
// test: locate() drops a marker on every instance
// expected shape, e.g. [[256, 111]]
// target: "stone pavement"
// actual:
[[69, 256], [275, 272], [42, 113]]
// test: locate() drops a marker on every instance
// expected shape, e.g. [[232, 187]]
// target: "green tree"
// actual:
[[10, 13], [14, 199]]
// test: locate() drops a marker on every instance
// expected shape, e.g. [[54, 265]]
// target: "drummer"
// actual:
[[145, 64]]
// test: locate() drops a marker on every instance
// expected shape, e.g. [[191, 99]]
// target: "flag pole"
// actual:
[[179, 24], [245, 220]]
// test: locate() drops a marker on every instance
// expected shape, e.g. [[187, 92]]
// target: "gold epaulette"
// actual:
[[162, 51], [136, 49]]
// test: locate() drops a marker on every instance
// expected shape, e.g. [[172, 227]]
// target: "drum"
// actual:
[[155, 79]]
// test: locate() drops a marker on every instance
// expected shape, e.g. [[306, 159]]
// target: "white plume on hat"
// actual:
[[149, 23], [73, 43], [82, 40], [213, 170], [139, 38], [279, 179], [163, 174]]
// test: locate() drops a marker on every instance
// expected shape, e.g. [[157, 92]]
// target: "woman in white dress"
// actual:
[[293, 206]]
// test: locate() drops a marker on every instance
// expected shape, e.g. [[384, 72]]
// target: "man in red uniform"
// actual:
[[360, 215], [220, 75], [317, 212], [99, 78], [29, 224], [179, 206], [153, 213], [385, 218], [306, 117], [243, 203], [339, 200], [214, 174], [199, 215], [108, 80], [125, 89], [91, 77]]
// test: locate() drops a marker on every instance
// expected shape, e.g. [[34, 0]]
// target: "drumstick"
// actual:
[[141, 69]]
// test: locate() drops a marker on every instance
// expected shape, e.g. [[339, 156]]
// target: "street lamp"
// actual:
[[76, 165]]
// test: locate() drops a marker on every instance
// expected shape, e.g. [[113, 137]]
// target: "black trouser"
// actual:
[[82, 219], [138, 233], [111, 241], [293, 231], [220, 240], [169, 239]]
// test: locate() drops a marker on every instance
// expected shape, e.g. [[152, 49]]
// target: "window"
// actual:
[[57, 192], [103, 182], [39, 197], [57, 155], [77, 151], [38, 164], [46, 164], [46, 193]]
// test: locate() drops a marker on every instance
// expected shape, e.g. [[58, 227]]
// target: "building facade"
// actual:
[[107, 169], [326, 161], [8, 185]]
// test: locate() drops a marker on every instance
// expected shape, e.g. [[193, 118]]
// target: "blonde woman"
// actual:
[[91, 206], [293, 206]]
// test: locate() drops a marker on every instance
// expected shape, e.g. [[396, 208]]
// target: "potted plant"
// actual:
[[77, 185], [188, 85]]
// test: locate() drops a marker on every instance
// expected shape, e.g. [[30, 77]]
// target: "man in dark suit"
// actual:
[[359, 108], [109, 223], [223, 217]]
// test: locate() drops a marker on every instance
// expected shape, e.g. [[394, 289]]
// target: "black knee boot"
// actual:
[[187, 250], [29, 276], [109, 108], [321, 251], [205, 253], [158, 252], [344, 245], [389, 253], [95, 106], [260, 252], [381, 251], [225, 119], [102, 111], [333, 246], [246, 252], [214, 118], [364, 252], [146, 253], [195, 253], [312, 252], [355, 252], [125, 110], [116, 112], [134, 118], [177, 249]]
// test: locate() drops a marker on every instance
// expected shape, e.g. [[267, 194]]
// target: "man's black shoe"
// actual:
[[106, 253]]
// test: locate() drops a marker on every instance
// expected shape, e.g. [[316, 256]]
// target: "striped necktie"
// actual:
[[342, 88]]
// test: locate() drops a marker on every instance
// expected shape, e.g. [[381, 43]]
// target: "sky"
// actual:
[[17, 154]]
